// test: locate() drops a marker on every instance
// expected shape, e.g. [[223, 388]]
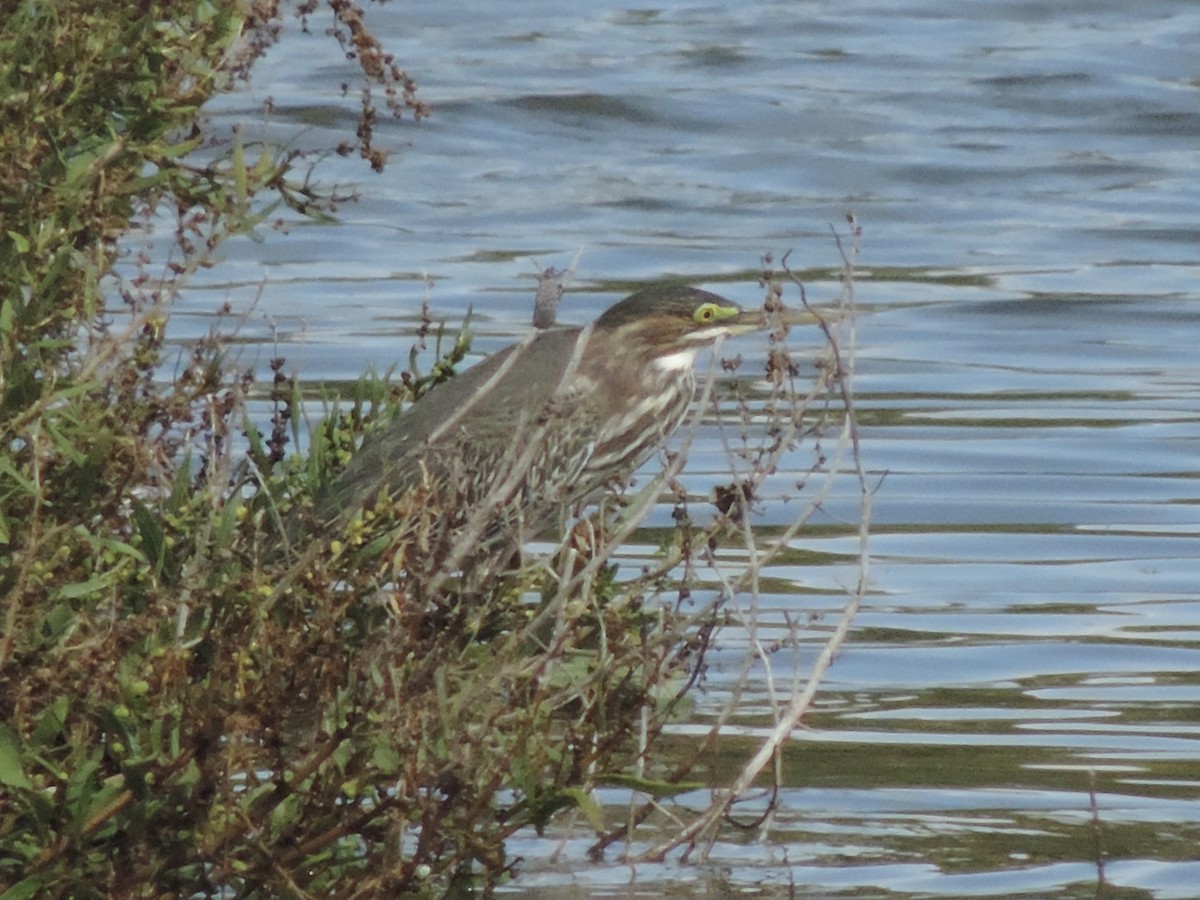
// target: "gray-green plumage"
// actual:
[[544, 423]]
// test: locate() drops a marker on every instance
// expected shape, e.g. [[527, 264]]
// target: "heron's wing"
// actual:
[[491, 401]]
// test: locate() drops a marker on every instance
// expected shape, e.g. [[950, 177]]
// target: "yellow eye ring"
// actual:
[[708, 313]]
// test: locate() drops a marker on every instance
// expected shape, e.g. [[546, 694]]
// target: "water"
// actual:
[[1027, 382]]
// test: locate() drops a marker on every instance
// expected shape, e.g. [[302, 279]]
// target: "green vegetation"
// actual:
[[185, 710]]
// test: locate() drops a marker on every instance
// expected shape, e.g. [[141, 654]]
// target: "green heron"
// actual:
[[491, 456]]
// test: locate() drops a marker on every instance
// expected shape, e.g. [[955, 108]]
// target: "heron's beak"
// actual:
[[760, 318], [809, 315], [746, 321]]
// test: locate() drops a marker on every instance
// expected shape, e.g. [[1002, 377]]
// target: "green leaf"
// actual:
[[50, 723], [24, 889], [22, 242], [12, 773], [87, 588], [181, 485], [238, 164], [87, 161], [81, 788], [174, 151], [386, 759], [9, 471], [227, 521], [286, 812], [154, 542], [255, 442], [98, 804], [587, 804], [653, 788]]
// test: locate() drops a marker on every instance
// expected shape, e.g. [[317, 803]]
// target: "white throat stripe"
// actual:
[[674, 362]]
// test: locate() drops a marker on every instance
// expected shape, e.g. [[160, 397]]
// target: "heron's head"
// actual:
[[666, 325]]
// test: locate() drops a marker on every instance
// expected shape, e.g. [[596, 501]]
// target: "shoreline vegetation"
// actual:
[[186, 711]]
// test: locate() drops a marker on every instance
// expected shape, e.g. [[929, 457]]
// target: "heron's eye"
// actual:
[[705, 313]]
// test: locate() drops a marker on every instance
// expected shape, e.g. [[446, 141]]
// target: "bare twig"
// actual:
[[841, 375]]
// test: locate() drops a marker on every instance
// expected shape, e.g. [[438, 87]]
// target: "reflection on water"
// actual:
[[1027, 384]]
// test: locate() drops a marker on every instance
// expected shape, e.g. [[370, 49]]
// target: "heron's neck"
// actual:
[[677, 361]]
